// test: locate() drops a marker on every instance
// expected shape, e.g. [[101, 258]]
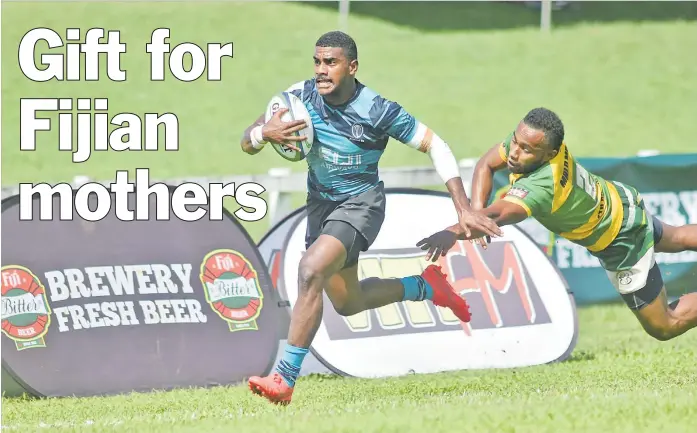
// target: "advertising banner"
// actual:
[[668, 185], [105, 307], [523, 313]]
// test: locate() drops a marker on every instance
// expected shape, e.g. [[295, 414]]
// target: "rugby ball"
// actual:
[[296, 111]]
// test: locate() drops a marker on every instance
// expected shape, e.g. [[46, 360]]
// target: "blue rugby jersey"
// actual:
[[350, 139]]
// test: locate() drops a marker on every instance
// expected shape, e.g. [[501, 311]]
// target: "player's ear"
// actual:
[[353, 66]]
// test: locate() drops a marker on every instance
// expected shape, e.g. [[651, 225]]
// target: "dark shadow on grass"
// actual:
[[580, 356], [435, 16]]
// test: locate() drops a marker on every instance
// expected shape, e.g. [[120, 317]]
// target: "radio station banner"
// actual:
[[106, 307], [523, 313], [668, 185]]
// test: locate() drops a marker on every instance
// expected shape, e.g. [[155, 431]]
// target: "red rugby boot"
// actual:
[[444, 294], [273, 387]]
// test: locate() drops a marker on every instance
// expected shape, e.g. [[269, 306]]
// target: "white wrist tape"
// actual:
[[256, 137], [426, 141]]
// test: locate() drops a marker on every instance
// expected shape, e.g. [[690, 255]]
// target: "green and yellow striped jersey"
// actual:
[[574, 203]]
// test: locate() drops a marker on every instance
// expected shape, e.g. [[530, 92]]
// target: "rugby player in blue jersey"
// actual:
[[346, 201]]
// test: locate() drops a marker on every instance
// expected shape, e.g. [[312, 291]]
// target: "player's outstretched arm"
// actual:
[[446, 165], [483, 176], [402, 126], [275, 130], [502, 212]]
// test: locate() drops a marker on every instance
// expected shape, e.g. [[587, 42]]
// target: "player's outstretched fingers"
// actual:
[[489, 229], [424, 244], [495, 229], [296, 138], [295, 126], [291, 146], [483, 242], [432, 254]]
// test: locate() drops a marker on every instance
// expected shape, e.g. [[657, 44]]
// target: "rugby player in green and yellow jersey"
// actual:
[[608, 218]]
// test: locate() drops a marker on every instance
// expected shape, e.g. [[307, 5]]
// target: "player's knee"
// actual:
[[660, 334], [310, 274], [666, 330]]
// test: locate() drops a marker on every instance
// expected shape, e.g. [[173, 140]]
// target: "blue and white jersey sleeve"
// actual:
[[399, 124], [392, 119]]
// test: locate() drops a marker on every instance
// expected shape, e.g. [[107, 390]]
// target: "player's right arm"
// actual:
[[493, 160], [274, 131], [249, 146]]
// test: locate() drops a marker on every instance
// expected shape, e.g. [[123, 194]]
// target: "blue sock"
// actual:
[[289, 366], [416, 288]]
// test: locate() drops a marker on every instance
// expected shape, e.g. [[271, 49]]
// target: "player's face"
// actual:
[[332, 69], [529, 150]]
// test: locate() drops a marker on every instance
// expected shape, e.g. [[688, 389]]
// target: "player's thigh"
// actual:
[[638, 284], [355, 224], [656, 317], [317, 213], [642, 289], [325, 257], [364, 212], [325, 254], [342, 285]]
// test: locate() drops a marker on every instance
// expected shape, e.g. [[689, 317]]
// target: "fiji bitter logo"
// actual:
[[232, 289], [26, 314]]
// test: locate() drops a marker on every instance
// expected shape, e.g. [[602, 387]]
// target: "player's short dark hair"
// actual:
[[337, 39], [547, 121]]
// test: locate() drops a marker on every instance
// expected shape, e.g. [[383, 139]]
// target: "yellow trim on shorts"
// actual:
[[616, 216], [519, 202]]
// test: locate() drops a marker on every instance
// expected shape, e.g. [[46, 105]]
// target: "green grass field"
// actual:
[[622, 77], [618, 380]]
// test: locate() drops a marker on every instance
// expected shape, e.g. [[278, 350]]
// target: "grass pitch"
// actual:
[[620, 74], [618, 380]]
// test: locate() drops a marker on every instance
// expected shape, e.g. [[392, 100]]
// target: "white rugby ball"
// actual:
[[296, 111]]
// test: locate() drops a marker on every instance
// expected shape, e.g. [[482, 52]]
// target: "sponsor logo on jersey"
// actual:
[[357, 130], [517, 192]]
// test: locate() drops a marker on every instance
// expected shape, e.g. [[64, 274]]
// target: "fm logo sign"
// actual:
[[495, 283]]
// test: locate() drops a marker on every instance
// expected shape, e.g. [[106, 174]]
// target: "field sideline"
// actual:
[[620, 84]]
